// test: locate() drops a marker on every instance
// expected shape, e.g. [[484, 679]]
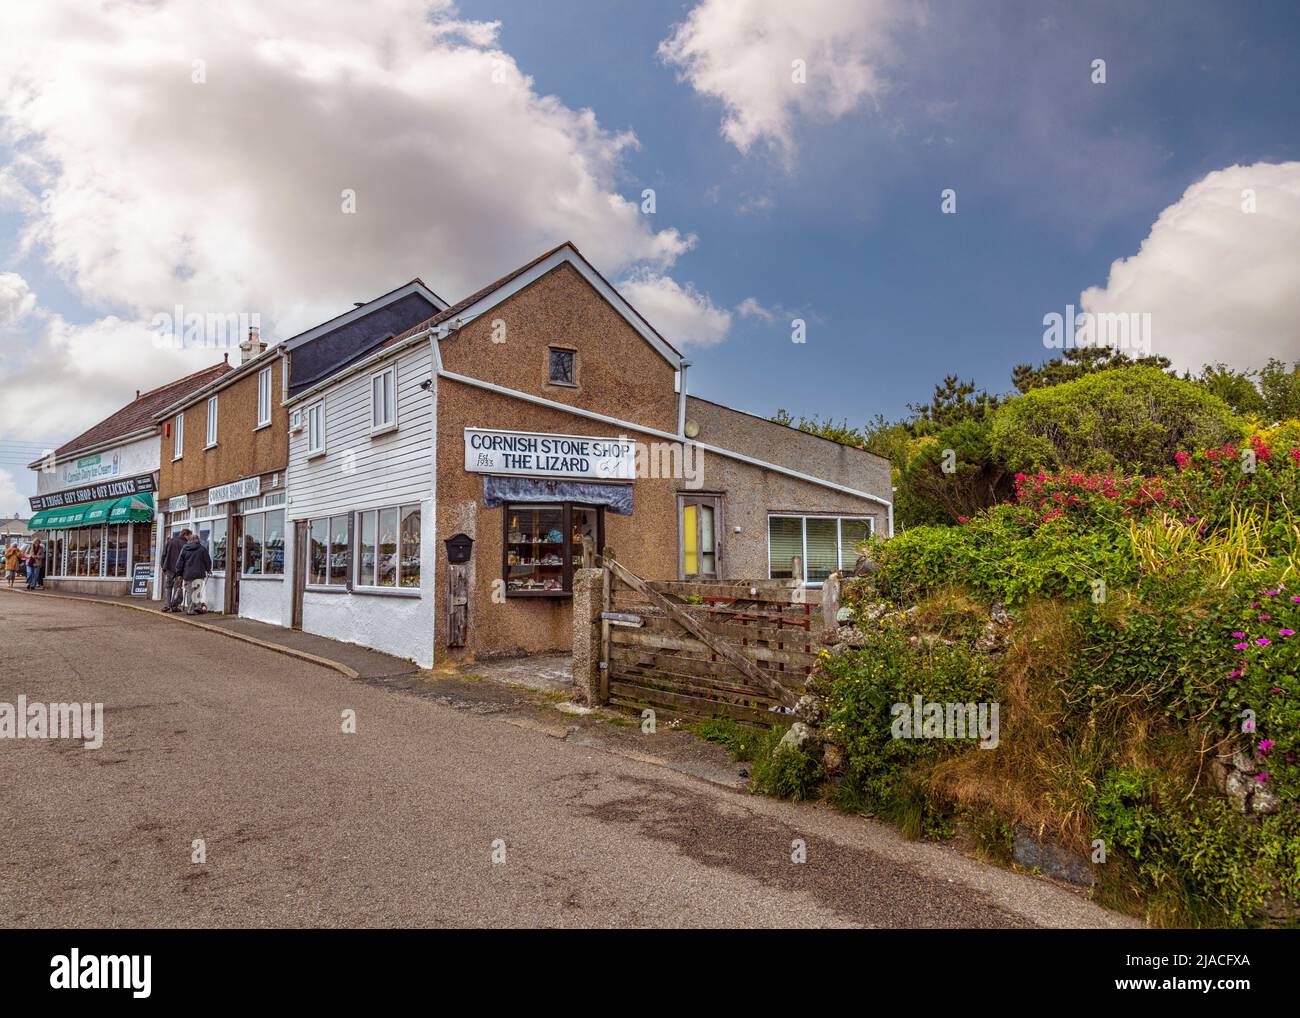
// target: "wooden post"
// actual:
[[831, 602], [606, 605], [458, 601]]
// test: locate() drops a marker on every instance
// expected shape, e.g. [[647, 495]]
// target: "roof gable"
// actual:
[[507, 286]]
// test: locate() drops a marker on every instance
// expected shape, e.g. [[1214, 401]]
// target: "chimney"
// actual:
[[253, 345]]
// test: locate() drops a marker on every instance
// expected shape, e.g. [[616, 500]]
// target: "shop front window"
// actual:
[[388, 547], [115, 550], [217, 545], [318, 541], [544, 544], [141, 544], [254, 527], [94, 539]]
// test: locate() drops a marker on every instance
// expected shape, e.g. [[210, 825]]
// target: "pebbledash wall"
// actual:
[[232, 488], [485, 363]]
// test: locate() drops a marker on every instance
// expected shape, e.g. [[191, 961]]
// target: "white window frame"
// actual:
[[260, 514], [210, 436], [328, 586], [263, 397], [397, 590], [803, 519], [389, 423], [178, 436], [317, 411]]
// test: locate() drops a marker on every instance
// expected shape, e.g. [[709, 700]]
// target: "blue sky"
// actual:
[[833, 215]]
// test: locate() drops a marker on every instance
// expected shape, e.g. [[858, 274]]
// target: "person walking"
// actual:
[[171, 574], [195, 566], [36, 565], [13, 561]]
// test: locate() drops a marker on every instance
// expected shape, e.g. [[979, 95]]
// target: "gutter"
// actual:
[[442, 330]]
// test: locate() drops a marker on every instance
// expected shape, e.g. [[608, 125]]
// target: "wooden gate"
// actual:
[[702, 649]]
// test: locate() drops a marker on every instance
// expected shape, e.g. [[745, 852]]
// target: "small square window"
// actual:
[[564, 367]]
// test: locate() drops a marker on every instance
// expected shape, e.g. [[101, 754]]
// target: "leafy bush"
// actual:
[[784, 771], [864, 685], [1131, 418]]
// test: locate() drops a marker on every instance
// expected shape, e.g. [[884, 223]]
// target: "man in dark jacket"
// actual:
[[194, 566], [171, 574]]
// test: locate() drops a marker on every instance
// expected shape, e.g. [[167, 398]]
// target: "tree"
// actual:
[[1077, 362], [1235, 388], [814, 425], [953, 401], [1127, 419], [1281, 390]]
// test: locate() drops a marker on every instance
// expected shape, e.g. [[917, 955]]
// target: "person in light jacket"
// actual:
[[13, 561], [194, 566]]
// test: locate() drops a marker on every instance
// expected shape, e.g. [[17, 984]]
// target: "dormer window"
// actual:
[[563, 366]]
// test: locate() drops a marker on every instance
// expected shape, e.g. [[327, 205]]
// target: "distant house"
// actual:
[[14, 528]]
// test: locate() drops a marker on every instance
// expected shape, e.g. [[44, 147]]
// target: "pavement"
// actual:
[[432, 813]]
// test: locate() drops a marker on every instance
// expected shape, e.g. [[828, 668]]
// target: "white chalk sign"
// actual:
[[542, 454]]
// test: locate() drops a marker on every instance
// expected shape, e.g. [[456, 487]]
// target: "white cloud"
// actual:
[[1221, 284], [751, 308], [145, 189], [742, 52], [683, 315], [16, 298], [12, 502]]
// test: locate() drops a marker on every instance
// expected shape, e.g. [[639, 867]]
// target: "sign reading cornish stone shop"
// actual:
[[247, 488], [94, 493], [541, 454]]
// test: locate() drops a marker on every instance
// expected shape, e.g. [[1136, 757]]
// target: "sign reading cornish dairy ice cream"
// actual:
[[541, 454]]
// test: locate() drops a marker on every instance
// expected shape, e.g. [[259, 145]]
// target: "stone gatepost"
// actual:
[[587, 596]]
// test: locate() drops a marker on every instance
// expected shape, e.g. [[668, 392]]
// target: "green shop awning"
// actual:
[[132, 509], [128, 509]]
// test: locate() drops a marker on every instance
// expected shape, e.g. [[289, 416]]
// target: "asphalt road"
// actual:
[[304, 825]]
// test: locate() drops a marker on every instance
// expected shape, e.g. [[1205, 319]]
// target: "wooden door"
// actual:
[[699, 519], [299, 570]]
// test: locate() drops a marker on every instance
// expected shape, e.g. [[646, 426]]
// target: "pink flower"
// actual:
[[1286, 632], [1240, 646], [1265, 618], [1265, 745], [1237, 674], [1276, 689], [1261, 777], [1263, 641], [1239, 636]]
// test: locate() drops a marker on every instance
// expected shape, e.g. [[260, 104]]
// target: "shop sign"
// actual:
[[94, 493], [541, 454], [92, 468], [141, 574], [178, 503], [247, 488]]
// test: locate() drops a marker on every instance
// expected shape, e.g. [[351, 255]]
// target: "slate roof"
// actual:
[[138, 414]]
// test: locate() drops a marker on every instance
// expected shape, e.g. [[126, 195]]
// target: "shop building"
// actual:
[[446, 486], [95, 500], [224, 452]]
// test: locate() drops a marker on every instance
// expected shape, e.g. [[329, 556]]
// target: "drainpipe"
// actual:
[[681, 399]]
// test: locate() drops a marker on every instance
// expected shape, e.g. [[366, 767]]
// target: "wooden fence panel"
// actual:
[[738, 649]]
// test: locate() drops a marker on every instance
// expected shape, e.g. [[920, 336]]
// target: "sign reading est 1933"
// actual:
[[540, 454]]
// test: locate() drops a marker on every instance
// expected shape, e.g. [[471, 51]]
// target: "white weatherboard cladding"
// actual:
[[402, 626], [358, 471]]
